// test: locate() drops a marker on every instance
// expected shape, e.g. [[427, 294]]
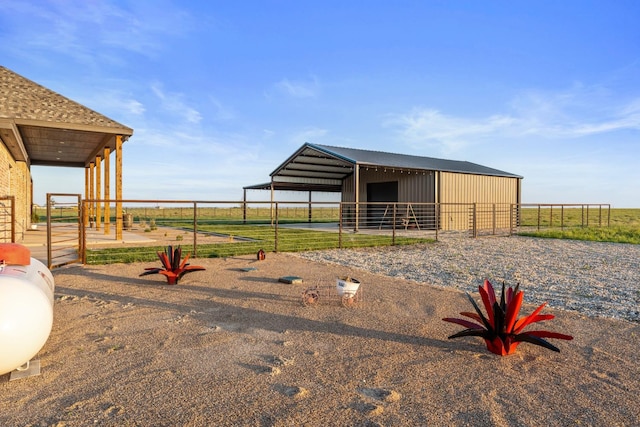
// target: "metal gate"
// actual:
[[64, 229], [7, 219]]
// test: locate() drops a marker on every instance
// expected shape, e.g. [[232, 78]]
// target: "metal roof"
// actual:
[[328, 165], [42, 127]]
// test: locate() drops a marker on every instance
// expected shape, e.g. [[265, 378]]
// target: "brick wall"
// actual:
[[15, 180]]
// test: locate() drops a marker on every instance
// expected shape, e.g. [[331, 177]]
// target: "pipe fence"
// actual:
[[223, 228]]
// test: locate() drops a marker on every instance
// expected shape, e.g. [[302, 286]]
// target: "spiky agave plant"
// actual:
[[501, 329], [172, 268]]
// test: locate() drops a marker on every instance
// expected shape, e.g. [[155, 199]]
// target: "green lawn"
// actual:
[[248, 239], [624, 228]]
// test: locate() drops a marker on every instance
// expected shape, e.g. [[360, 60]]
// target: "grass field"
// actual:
[[248, 239], [624, 225], [254, 231]]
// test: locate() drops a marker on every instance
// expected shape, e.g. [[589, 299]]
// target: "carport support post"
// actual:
[[244, 205], [309, 205]]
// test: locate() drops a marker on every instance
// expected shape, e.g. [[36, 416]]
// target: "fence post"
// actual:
[[275, 237], [437, 212], [599, 215], [494, 219], [538, 217], [195, 229], [340, 225], [474, 220], [83, 235], [393, 226], [510, 219]]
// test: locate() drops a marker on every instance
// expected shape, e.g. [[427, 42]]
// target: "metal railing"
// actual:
[[7, 219], [541, 216], [223, 228], [65, 243]]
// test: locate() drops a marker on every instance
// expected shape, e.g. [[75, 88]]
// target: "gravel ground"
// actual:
[[234, 346], [592, 278]]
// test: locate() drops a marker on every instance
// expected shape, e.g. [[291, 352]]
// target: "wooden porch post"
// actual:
[[87, 195], [92, 192], [98, 192], [107, 188], [118, 187]]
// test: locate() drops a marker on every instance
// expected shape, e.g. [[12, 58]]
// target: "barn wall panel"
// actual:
[[492, 194]]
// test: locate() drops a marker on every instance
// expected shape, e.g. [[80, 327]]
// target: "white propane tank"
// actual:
[[26, 307]]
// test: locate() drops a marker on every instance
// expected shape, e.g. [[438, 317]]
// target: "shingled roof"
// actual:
[[43, 127]]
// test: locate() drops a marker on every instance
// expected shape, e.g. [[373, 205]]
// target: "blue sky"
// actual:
[[219, 93]]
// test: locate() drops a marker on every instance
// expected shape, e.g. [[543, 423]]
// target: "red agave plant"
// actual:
[[501, 329], [173, 269]]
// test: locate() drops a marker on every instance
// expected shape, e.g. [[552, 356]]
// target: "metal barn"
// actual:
[[370, 179]]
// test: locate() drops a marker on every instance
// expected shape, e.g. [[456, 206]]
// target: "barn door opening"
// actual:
[[380, 198]]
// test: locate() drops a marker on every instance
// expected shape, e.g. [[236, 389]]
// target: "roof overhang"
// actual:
[[41, 127], [58, 144], [293, 186], [311, 166]]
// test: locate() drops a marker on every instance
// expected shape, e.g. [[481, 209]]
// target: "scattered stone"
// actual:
[[296, 392], [291, 280], [274, 370], [372, 409], [380, 394]]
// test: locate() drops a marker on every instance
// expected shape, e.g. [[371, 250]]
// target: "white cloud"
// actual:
[[311, 134], [299, 89], [108, 101], [268, 133], [173, 103], [90, 31], [575, 113], [432, 128], [222, 112]]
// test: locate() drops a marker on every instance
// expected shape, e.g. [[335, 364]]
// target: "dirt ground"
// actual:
[[232, 346]]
